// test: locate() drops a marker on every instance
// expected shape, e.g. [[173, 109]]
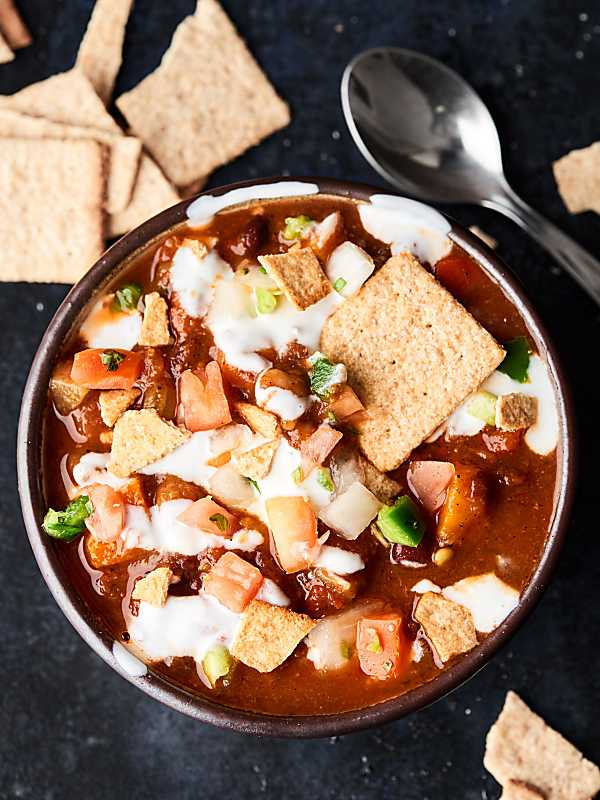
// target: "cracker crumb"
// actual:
[[448, 626], [115, 402], [261, 421], [66, 394], [577, 176], [154, 587], [256, 463], [155, 325], [299, 273], [381, 485], [140, 438], [516, 411]]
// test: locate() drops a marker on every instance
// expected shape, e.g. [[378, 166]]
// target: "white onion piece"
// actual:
[[351, 512], [328, 641], [351, 264], [229, 486], [345, 469], [229, 437], [341, 562]]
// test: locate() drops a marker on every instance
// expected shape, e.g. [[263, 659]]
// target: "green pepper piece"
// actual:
[[401, 523], [127, 297], [483, 406], [217, 663], [516, 360], [70, 523], [295, 226], [266, 301], [325, 480]]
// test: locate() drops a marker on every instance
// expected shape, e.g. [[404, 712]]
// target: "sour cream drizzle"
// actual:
[[104, 328], [201, 211]]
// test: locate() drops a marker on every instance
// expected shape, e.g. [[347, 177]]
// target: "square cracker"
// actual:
[[413, 354], [577, 176], [210, 100], [51, 218], [268, 635], [152, 193], [67, 97], [448, 626], [101, 49], [299, 273], [6, 54], [520, 746], [124, 150]]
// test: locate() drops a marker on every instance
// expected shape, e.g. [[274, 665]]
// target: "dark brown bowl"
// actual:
[[85, 621]]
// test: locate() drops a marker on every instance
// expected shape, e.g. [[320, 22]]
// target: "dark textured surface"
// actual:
[[69, 726]]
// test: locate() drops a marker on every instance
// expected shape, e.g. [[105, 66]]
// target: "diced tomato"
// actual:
[[293, 524], [203, 399], [317, 447], [464, 505], [233, 581], [107, 369], [381, 645], [456, 273], [108, 519], [346, 404], [428, 481], [209, 516]]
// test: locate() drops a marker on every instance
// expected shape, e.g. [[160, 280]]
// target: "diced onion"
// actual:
[[351, 512], [333, 637], [228, 485]]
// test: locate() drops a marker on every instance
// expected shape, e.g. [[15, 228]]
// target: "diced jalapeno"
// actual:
[[297, 475], [324, 479], [295, 226], [516, 360], [220, 521], [266, 301], [111, 360], [70, 523], [339, 284], [401, 523], [217, 663], [127, 297], [483, 406]]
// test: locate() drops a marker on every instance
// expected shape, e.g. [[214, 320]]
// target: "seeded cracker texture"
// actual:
[[63, 185], [101, 49], [413, 354], [139, 439], [298, 272], [210, 100], [124, 150], [516, 411], [256, 463], [152, 193], [577, 176], [448, 626], [268, 635], [517, 790], [155, 325], [153, 588], [115, 402], [261, 421], [520, 746]]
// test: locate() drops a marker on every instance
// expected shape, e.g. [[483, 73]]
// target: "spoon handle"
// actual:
[[580, 264]]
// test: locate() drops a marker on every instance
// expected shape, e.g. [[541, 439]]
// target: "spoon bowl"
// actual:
[[428, 133]]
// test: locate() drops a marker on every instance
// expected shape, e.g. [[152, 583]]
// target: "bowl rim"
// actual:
[[87, 624]]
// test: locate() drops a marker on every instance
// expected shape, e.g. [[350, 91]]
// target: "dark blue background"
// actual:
[[69, 726]]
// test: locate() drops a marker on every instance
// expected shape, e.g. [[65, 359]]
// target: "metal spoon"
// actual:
[[425, 130]]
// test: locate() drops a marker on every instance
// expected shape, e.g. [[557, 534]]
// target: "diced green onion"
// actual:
[[374, 645], [220, 521], [127, 297], [483, 406], [324, 479], [266, 301], [401, 523], [297, 475], [331, 417], [263, 270], [254, 483], [516, 360], [320, 375], [346, 650], [111, 359], [295, 226], [339, 284], [217, 663], [70, 523]]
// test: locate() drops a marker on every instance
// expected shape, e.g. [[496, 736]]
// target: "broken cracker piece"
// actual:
[[256, 463], [6, 54], [101, 49], [153, 588], [151, 194], [155, 325], [520, 746], [298, 272], [140, 438], [261, 421], [63, 184], [432, 356], [115, 402], [516, 411], [448, 626], [124, 150], [228, 107], [517, 790], [381, 485], [577, 176], [66, 394], [12, 27], [268, 635]]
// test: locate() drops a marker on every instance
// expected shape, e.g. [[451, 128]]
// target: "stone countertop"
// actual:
[[70, 726]]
